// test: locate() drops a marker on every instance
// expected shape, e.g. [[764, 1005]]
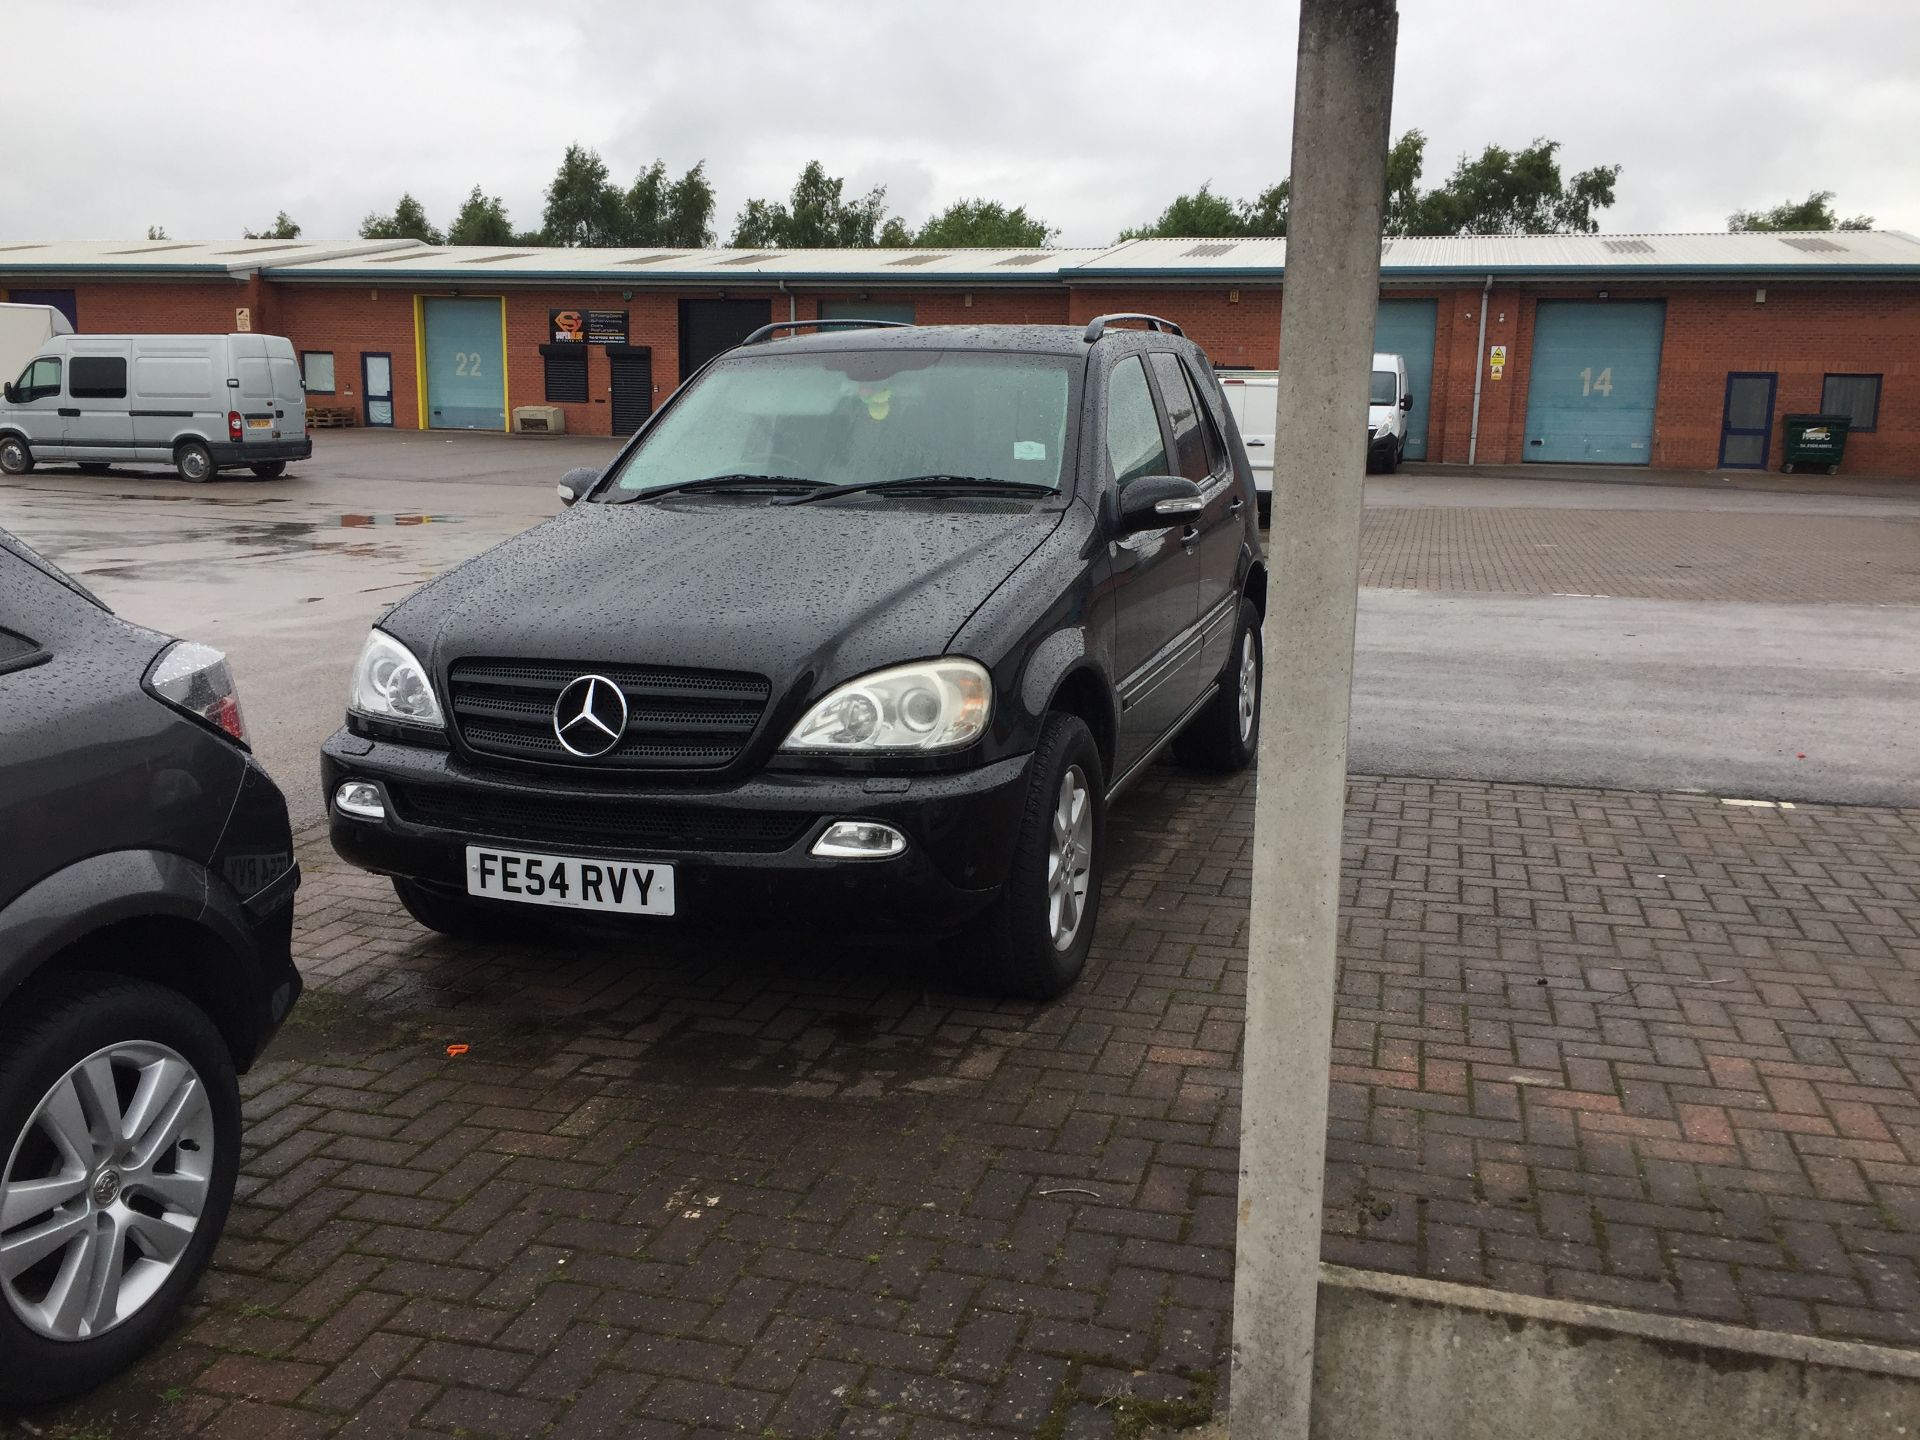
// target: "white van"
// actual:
[[24, 329], [1253, 395], [1389, 400], [203, 403]]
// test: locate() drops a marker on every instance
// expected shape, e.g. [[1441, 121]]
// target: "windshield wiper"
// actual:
[[729, 485], [927, 485]]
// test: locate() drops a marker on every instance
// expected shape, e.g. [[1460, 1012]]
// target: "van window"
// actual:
[[98, 377], [319, 365], [40, 379], [165, 377], [1386, 388], [256, 380]]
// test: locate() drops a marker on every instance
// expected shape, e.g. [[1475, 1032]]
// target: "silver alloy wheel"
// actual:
[[194, 464], [1070, 857], [1249, 685], [104, 1189]]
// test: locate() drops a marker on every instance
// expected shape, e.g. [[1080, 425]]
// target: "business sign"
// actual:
[[588, 327], [243, 319]]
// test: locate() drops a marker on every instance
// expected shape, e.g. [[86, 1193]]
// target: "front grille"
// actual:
[[598, 821], [676, 719]]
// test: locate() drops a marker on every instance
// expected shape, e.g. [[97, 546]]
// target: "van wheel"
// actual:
[[1225, 737], [1393, 460], [270, 470], [194, 462], [15, 457], [119, 1142], [1033, 943]]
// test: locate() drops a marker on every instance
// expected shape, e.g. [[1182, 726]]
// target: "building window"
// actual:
[[98, 377], [316, 369], [566, 366], [1856, 396]]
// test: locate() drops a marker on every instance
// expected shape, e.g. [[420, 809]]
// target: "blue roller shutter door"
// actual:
[[1593, 381], [1406, 328], [466, 387]]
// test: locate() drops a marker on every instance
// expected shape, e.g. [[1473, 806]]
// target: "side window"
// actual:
[[1217, 463], [98, 377], [1189, 447], [1134, 446], [40, 379]]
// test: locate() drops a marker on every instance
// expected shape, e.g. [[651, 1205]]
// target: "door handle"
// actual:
[[1190, 536], [1237, 506], [1251, 444], [70, 414]]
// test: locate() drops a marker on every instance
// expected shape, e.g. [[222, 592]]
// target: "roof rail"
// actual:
[[765, 330], [1098, 325]]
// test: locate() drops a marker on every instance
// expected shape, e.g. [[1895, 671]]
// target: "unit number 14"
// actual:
[[1592, 384]]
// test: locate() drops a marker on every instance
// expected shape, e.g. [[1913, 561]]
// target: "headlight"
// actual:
[[389, 684], [932, 705]]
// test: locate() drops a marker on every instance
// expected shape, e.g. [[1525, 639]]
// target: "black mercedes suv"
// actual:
[[868, 625], [146, 907]]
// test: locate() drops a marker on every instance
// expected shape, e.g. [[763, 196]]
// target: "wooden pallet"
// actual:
[[331, 417]]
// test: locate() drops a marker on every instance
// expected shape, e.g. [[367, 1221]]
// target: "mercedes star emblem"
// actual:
[[590, 716]]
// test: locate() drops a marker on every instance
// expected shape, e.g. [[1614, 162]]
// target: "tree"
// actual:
[[283, 228], [1813, 213], [1503, 192], [1202, 214], [815, 216], [583, 208], [980, 222], [158, 232], [407, 222], [481, 221], [677, 214]]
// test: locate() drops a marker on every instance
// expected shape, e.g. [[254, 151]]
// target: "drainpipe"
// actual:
[[1479, 372], [793, 314]]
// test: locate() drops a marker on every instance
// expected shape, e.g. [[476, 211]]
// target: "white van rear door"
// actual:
[[257, 423], [1253, 404]]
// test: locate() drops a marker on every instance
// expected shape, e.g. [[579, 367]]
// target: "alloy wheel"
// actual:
[[1070, 857], [1249, 685], [104, 1189]]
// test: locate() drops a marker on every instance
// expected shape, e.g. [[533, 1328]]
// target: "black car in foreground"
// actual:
[[146, 910], [865, 627]]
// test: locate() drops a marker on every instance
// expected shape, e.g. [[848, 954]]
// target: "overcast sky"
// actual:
[[206, 118]]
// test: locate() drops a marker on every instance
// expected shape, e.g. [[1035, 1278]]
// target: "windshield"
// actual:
[[1384, 391], [845, 417]]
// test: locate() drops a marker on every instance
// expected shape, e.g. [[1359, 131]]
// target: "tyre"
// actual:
[[94, 467], [120, 1137], [1033, 943], [1225, 737], [457, 917], [1399, 454], [15, 457], [194, 462], [270, 470]]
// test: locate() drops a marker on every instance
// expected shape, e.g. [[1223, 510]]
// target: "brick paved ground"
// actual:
[[1649, 1050], [1652, 554]]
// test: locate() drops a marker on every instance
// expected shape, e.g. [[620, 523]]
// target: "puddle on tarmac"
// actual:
[[361, 522]]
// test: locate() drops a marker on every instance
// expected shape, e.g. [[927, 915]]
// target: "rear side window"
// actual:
[[98, 377], [1134, 445], [1209, 427], [163, 377], [1189, 446]]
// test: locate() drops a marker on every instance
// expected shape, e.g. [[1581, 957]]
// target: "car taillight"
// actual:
[[235, 429], [195, 678]]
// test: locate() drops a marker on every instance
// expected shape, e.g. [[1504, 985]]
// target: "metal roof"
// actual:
[[1770, 252], [1863, 253], [175, 257]]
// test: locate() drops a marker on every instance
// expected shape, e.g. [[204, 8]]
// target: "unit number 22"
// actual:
[[1590, 383], [466, 363]]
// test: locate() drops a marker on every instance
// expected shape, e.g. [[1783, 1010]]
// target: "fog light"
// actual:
[[859, 840], [360, 799]]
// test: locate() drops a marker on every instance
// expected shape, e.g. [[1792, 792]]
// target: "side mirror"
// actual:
[[11, 395], [1406, 402], [1154, 502], [577, 482]]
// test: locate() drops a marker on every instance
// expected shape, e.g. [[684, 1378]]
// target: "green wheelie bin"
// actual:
[[1814, 442]]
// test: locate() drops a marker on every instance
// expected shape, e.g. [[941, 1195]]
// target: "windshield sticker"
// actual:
[[1029, 450], [879, 400]]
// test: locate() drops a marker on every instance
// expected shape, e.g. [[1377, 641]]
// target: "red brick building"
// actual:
[[1681, 351]]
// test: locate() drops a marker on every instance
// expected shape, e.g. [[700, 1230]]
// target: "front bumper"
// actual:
[[259, 452], [959, 828]]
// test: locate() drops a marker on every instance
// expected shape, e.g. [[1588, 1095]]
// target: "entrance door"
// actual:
[[1746, 426], [466, 373], [376, 387], [1406, 328], [708, 327], [1593, 380], [632, 367]]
